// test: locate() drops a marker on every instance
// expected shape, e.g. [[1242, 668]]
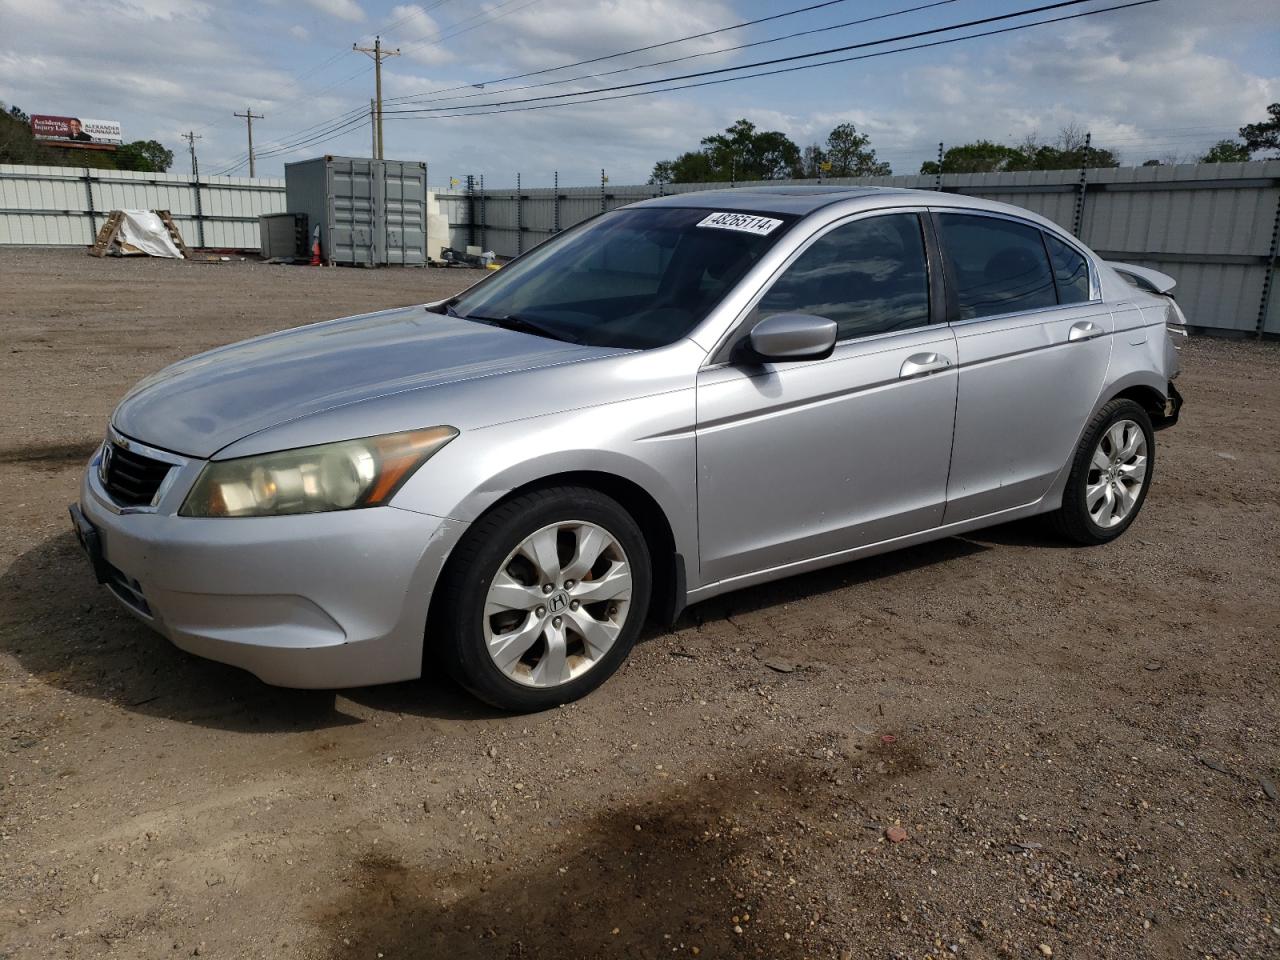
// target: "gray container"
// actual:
[[283, 235], [370, 212]]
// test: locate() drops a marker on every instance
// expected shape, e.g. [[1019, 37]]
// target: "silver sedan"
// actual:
[[683, 397]]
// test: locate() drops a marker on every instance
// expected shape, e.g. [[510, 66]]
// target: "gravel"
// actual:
[[1080, 744]]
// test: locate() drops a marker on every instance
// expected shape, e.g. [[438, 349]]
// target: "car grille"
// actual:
[[130, 478]]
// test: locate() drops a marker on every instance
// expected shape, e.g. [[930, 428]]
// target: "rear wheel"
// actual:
[[544, 598], [1110, 475]]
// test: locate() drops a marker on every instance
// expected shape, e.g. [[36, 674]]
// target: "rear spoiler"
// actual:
[[1161, 284], [1152, 281]]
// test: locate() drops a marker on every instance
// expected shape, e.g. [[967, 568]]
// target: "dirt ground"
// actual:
[[1081, 745]]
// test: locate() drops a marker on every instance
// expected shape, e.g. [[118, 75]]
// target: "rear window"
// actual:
[[636, 278], [998, 266]]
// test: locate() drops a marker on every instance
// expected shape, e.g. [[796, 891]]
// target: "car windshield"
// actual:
[[632, 278]]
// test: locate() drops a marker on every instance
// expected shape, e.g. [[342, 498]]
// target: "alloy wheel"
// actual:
[[557, 603], [1117, 474]]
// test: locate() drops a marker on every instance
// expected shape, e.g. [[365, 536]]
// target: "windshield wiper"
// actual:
[[522, 325]]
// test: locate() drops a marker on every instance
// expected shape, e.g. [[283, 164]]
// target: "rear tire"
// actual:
[[544, 598], [1110, 475]]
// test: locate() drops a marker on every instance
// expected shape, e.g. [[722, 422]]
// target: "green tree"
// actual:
[[1067, 152], [850, 156], [144, 156], [1226, 151], [982, 156], [664, 171], [1264, 135], [741, 152]]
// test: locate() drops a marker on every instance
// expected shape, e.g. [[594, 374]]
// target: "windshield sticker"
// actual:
[[742, 222]]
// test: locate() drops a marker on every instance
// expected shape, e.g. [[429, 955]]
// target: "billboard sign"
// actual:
[[75, 131]]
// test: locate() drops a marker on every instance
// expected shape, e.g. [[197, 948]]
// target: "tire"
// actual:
[[1101, 478], [494, 602]]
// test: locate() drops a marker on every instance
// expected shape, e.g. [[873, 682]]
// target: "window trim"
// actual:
[[953, 306], [938, 315]]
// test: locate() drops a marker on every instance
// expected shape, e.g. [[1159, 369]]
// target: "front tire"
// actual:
[[544, 598], [1110, 475]]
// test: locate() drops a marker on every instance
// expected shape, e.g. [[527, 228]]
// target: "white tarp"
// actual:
[[141, 231]]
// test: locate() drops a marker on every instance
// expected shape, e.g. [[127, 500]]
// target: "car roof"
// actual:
[[799, 200], [804, 200]]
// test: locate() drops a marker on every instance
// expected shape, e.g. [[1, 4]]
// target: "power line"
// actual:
[[440, 36], [644, 49], [417, 98], [762, 63], [480, 112]]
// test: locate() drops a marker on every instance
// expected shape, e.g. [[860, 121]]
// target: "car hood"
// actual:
[[197, 406]]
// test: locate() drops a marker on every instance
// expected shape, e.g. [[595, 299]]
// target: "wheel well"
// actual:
[[1149, 398], [668, 567]]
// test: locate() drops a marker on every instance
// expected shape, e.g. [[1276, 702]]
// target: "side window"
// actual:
[[998, 266], [1069, 269], [869, 276]]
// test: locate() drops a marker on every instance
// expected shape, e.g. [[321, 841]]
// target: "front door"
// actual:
[[807, 459]]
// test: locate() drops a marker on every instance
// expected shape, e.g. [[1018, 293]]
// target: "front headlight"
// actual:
[[332, 476]]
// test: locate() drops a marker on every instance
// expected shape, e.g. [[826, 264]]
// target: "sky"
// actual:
[[1160, 81]]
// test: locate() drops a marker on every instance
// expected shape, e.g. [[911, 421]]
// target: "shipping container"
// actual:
[[370, 212]]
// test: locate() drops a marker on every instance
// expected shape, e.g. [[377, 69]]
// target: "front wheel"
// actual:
[[1110, 475], [544, 598]]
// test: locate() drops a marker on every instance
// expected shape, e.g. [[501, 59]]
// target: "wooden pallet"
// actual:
[[106, 234], [174, 233], [111, 228]]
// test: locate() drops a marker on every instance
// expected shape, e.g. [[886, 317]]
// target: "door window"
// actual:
[[998, 266], [1069, 270], [869, 276]]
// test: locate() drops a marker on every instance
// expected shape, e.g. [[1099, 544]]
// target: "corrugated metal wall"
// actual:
[[67, 205], [1213, 227]]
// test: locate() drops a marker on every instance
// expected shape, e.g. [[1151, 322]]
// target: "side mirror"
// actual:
[[793, 336]]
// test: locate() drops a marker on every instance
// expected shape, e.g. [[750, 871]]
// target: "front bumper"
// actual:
[[323, 600]]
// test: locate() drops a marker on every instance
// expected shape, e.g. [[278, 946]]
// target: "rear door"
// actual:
[[1033, 339], [807, 459]]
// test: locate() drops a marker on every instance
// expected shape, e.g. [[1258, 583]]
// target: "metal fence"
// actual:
[[1213, 227], [67, 205]]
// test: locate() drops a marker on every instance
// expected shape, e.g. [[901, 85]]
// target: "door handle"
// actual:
[[1084, 330], [921, 364]]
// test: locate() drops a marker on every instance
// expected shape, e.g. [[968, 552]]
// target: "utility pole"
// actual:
[[373, 127], [191, 137], [378, 55], [249, 116]]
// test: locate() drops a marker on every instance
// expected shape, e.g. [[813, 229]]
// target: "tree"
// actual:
[[849, 154], [982, 156], [1067, 152], [813, 162], [1226, 151], [745, 153], [144, 156], [1264, 135], [664, 171]]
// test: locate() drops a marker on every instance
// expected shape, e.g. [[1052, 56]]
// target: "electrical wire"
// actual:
[[644, 49], [768, 73], [417, 98], [762, 63]]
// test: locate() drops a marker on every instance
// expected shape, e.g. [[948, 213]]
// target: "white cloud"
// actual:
[[420, 32], [342, 9], [299, 32]]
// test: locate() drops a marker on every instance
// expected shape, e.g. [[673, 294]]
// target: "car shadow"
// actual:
[[65, 630], [828, 580]]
